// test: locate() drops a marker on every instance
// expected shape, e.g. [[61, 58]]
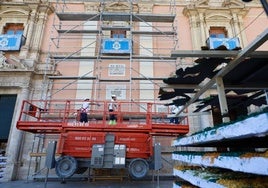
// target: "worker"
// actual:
[[84, 110], [112, 108], [174, 110]]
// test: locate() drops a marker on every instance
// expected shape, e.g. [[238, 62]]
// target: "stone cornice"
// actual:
[[9, 9], [145, 7], [227, 9]]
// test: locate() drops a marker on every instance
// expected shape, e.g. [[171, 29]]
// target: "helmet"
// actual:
[[113, 96], [86, 99]]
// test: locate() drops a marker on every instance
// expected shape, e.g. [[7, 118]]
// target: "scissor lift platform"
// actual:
[[137, 124]]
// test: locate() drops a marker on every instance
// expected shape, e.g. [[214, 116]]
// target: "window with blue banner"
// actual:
[[118, 34], [116, 46], [10, 42], [218, 37], [12, 38]]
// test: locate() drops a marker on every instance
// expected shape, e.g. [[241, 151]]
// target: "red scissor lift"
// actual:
[[96, 144]]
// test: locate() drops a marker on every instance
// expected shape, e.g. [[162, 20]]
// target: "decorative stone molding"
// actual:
[[3, 59], [146, 8], [211, 13], [120, 7], [33, 15], [11, 63], [17, 80], [92, 7]]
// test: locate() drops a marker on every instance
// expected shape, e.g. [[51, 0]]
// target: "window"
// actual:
[[217, 32], [12, 37], [118, 34], [13, 28]]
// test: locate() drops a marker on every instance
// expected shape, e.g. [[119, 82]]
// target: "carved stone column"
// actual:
[[35, 47], [202, 29], [241, 35], [195, 32], [25, 49]]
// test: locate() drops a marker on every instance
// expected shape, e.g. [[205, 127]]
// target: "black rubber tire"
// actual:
[[66, 166], [138, 168]]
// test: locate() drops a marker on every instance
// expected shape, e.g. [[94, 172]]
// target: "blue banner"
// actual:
[[116, 46], [10, 42], [229, 43]]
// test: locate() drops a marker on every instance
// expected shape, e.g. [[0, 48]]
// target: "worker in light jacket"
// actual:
[[112, 108], [174, 110], [84, 110]]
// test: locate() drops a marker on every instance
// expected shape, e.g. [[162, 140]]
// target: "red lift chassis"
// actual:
[[86, 145]]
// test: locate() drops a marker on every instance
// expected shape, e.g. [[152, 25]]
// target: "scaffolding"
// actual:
[[141, 39], [117, 43]]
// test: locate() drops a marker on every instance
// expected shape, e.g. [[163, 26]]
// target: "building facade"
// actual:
[[47, 55]]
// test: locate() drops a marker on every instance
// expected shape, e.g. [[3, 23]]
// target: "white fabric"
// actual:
[[85, 107], [112, 105], [174, 109]]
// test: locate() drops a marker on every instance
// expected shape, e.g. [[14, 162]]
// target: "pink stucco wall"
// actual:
[[256, 21], [254, 24]]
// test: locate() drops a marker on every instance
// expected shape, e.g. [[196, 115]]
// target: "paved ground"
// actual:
[[86, 184]]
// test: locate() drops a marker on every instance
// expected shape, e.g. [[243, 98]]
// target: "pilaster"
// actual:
[[13, 150]]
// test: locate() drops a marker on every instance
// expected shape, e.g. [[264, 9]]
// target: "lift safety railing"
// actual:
[[56, 116]]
